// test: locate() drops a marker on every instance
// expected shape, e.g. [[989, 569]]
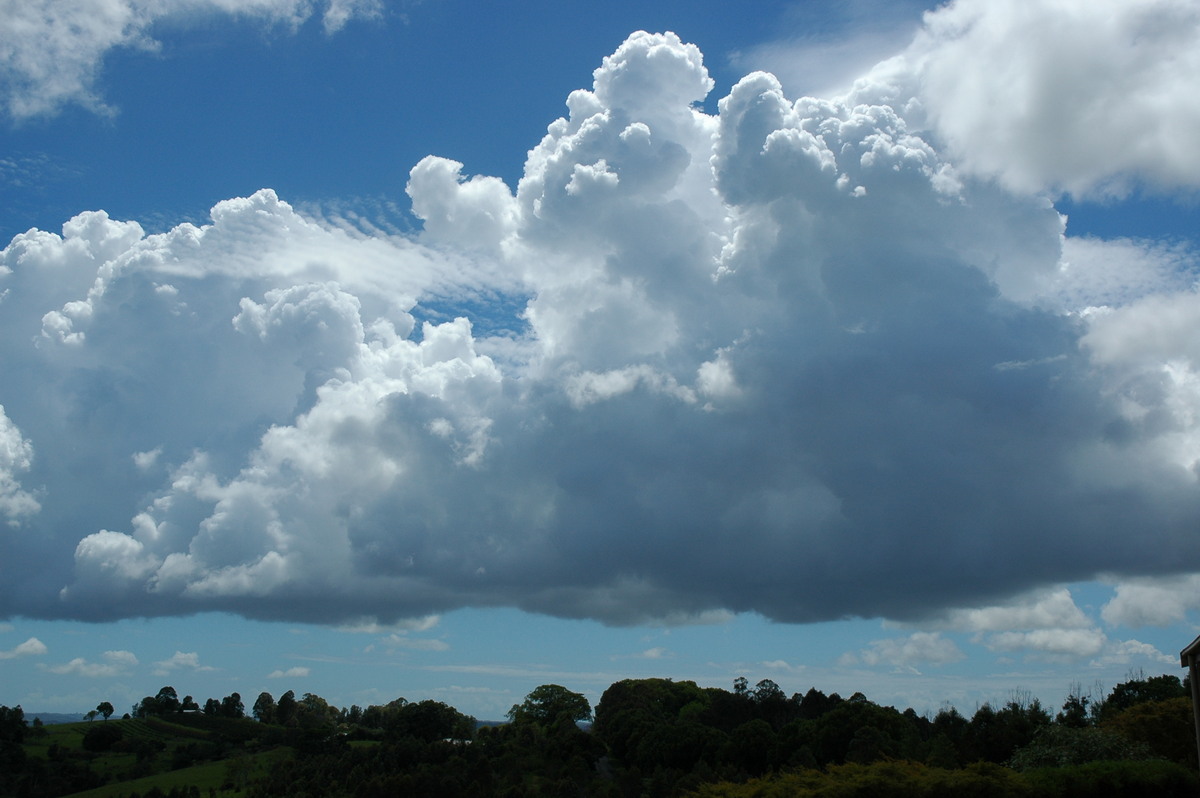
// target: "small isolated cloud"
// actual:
[[30, 648], [919, 648], [147, 460], [658, 652], [116, 663], [52, 53], [180, 661], [784, 666], [297, 672]]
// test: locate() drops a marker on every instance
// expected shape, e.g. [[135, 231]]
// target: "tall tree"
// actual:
[[285, 710], [232, 706], [264, 708], [12, 733]]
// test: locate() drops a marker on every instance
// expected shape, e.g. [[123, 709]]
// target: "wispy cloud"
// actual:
[[298, 672], [116, 663], [398, 641], [52, 53]]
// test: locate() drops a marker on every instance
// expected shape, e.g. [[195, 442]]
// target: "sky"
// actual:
[[444, 349]]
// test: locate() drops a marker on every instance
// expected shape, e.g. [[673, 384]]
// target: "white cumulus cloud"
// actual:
[[180, 660], [30, 648], [789, 357], [1086, 96], [1153, 601], [919, 648], [16, 456]]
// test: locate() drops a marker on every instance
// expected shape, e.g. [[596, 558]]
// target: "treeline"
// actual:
[[659, 738]]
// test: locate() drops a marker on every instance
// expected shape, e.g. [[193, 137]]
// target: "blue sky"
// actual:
[[441, 349]]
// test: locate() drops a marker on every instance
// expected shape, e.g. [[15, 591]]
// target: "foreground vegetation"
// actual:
[[650, 737]]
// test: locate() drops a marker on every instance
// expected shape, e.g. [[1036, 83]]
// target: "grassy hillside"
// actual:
[[120, 757]]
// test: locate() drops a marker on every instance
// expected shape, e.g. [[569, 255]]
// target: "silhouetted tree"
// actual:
[[232, 706], [429, 721], [285, 710], [545, 704], [264, 708], [1139, 691], [166, 702]]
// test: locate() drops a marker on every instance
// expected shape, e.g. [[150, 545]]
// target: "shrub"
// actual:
[[1116, 780]]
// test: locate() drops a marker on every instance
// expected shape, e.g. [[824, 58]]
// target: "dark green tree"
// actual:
[[995, 735], [232, 706], [546, 703], [285, 710], [105, 709], [1075, 712], [1165, 727], [166, 702], [264, 708], [429, 721], [1139, 691], [314, 712], [12, 734]]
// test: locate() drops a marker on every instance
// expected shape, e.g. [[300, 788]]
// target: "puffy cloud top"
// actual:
[[787, 358], [1065, 95]]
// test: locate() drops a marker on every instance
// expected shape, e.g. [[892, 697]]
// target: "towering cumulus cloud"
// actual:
[[784, 358]]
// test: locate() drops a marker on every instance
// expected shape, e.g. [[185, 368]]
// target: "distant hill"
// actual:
[[55, 717]]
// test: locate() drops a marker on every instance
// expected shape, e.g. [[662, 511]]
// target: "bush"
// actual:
[[102, 737], [1116, 780], [888, 779], [1055, 746], [1165, 727]]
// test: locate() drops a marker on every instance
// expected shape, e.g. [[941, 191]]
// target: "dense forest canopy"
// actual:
[[647, 737]]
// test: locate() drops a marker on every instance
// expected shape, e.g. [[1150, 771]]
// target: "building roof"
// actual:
[[1192, 650]]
